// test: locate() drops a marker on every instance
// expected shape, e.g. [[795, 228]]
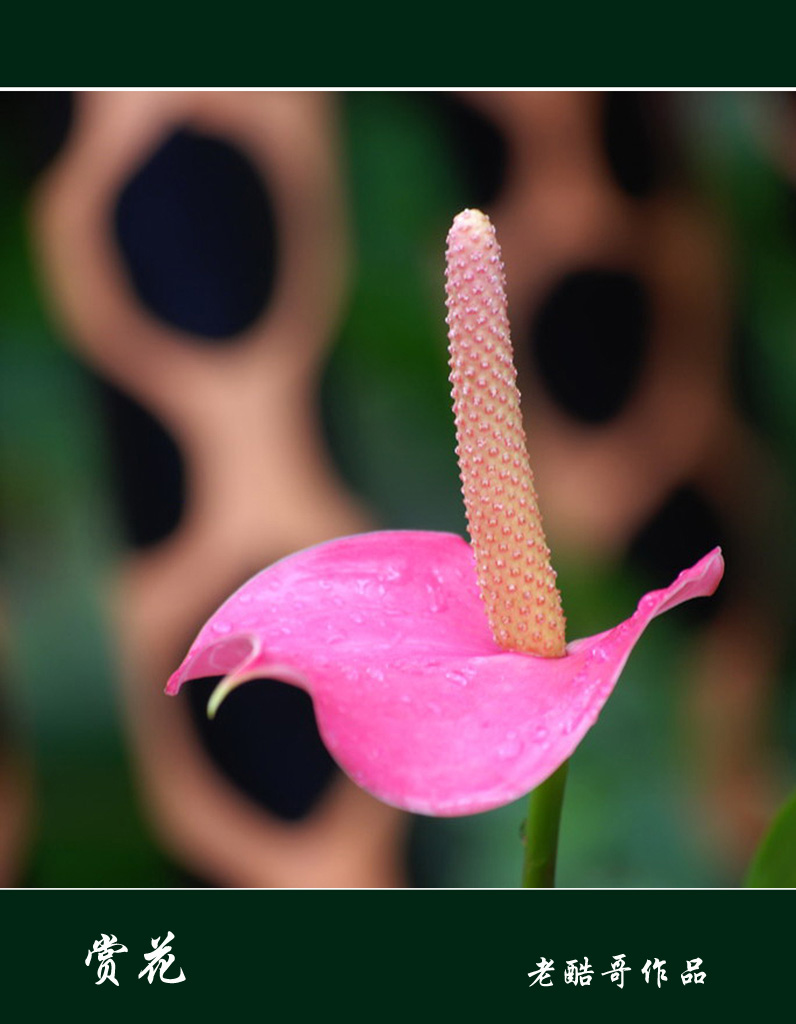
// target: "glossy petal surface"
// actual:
[[414, 698]]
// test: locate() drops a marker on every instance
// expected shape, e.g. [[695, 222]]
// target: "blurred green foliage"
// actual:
[[774, 865]]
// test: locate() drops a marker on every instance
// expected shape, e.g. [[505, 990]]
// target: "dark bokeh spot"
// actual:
[[589, 341], [198, 233], [34, 126], [264, 738], [478, 147], [685, 529], [146, 468], [185, 879], [635, 141]]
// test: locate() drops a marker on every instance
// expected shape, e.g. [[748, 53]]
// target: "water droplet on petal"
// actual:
[[436, 599], [510, 747]]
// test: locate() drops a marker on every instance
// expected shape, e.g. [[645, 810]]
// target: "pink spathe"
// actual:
[[414, 698]]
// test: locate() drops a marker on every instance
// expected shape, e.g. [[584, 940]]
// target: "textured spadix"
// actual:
[[413, 696], [512, 559]]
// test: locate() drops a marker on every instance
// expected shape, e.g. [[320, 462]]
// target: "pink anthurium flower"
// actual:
[[439, 671]]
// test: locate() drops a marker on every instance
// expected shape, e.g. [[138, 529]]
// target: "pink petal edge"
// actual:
[[414, 699]]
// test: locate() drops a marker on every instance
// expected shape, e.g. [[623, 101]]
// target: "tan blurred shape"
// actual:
[[259, 482], [561, 210]]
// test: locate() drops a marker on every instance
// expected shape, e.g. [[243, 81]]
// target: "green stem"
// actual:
[[541, 831]]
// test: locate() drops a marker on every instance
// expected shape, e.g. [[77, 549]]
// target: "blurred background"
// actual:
[[222, 339]]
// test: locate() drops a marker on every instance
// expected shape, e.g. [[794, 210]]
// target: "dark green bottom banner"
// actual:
[[512, 955]]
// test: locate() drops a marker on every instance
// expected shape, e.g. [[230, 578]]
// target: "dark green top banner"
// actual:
[[539, 47]]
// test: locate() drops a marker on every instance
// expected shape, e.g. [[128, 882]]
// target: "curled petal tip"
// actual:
[[230, 655], [714, 568]]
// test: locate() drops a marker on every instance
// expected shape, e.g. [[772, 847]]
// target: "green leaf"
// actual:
[[774, 865]]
